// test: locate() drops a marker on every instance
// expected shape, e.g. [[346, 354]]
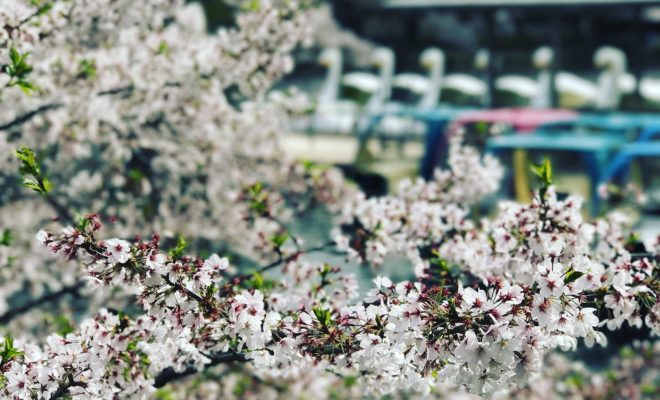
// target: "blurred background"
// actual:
[[390, 81]]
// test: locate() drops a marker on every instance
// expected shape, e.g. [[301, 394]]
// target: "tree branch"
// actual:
[[21, 119], [16, 311], [62, 212], [168, 375], [63, 389], [29, 115]]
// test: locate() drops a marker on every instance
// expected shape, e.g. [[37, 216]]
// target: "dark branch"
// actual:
[[281, 260], [29, 115], [16, 311], [120, 90], [168, 375], [23, 118], [63, 213], [63, 389]]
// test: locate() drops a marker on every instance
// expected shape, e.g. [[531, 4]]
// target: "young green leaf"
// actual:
[[279, 240], [258, 198], [572, 276], [257, 281], [252, 5], [25, 86], [28, 161], [87, 69], [9, 352], [350, 381], [64, 326], [164, 394], [544, 172], [163, 49], [6, 238], [43, 9], [14, 56], [18, 71], [322, 315], [438, 261], [31, 172], [179, 249], [325, 270]]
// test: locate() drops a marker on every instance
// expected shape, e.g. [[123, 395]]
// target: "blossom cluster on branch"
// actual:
[[166, 132], [632, 374], [149, 121], [483, 333]]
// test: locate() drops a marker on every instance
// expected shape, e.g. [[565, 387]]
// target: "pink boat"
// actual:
[[522, 120]]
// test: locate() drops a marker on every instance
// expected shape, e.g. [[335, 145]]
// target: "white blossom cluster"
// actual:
[[422, 212], [489, 336], [138, 114], [631, 374]]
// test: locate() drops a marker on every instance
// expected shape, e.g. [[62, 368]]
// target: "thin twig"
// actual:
[[29, 115], [16, 311], [169, 374]]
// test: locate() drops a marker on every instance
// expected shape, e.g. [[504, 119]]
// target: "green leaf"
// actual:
[[633, 238], [83, 224], [242, 386], [29, 162], [308, 165], [439, 261], [164, 394], [575, 380], [44, 9], [25, 86], [350, 381], [547, 170], [611, 375], [257, 198], [87, 69], [64, 326], [179, 249], [572, 276], [14, 56], [626, 352], [18, 70], [649, 389], [325, 270], [46, 185], [482, 128], [279, 240], [126, 373], [252, 5], [256, 188], [6, 238], [31, 184], [132, 345], [31, 171], [135, 174], [257, 281], [210, 291], [544, 172], [322, 315], [9, 352], [163, 48]]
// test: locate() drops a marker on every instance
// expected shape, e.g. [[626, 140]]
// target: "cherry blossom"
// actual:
[[171, 137]]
